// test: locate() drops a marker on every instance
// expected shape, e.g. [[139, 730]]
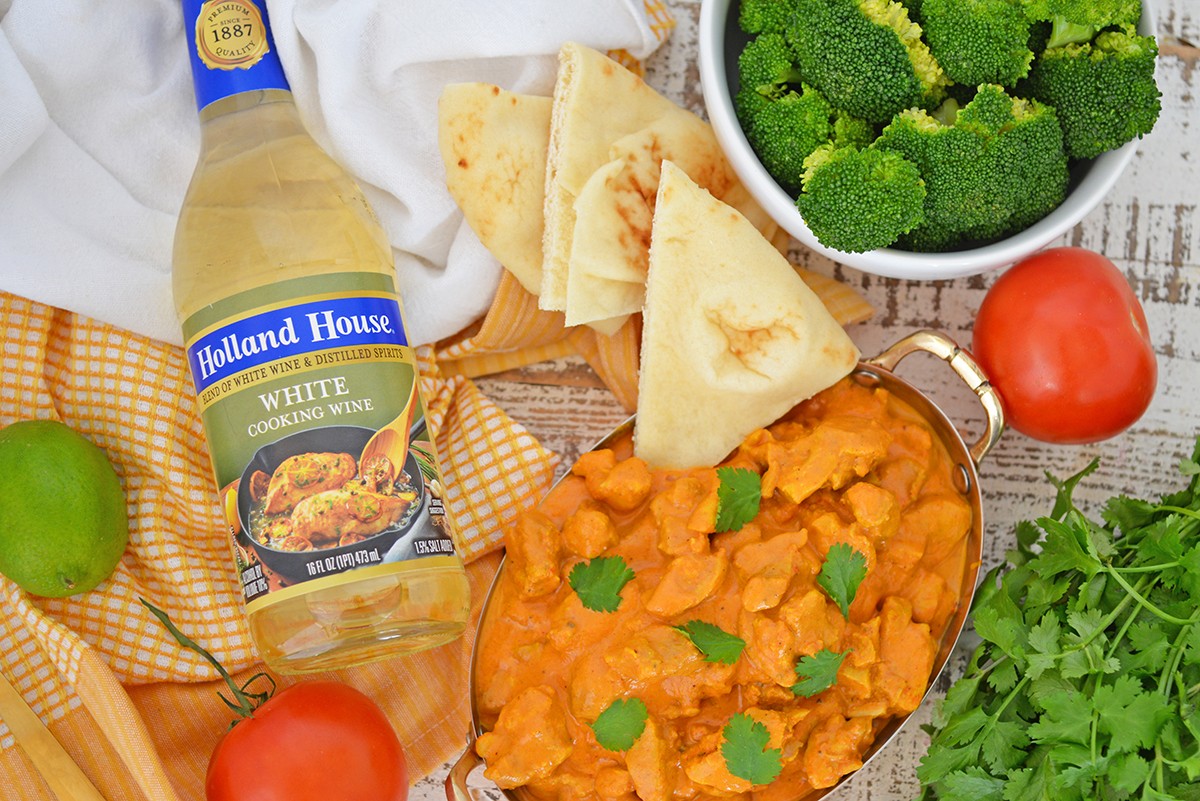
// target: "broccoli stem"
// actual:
[[1064, 32]]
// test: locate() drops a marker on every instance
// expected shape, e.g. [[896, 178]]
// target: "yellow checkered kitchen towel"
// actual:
[[101, 671]]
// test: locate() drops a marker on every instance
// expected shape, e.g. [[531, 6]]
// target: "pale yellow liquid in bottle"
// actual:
[[267, 204]]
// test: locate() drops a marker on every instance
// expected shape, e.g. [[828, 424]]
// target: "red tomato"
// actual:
[[1064, 341], [314, 741]]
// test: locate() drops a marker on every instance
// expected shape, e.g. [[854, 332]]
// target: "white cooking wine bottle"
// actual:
[[306, 382]]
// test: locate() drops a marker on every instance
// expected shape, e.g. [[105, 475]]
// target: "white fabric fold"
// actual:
[[99, 135]]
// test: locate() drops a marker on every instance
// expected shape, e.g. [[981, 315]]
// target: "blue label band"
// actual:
[[231, 49], [293, 331]]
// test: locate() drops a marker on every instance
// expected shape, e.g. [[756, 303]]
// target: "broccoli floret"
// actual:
[[786, 130], [852, 131], [978, 41], [1025, 151], [859, 199], [957, 190], [765, 68], [783, 118], [765, 16], [1092, 13], [996, 169], [866, 56], [1104, 91]]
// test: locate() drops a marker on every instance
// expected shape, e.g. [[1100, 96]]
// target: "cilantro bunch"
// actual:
[[1087, 681]]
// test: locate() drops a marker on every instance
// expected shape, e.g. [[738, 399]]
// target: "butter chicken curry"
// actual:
[[851, 468]]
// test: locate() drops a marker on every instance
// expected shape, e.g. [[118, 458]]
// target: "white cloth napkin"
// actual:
[[99, 135]]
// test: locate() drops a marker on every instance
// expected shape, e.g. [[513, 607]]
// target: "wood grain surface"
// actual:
[[1149, 225]]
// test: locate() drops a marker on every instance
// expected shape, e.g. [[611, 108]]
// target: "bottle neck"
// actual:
[[232, 51]]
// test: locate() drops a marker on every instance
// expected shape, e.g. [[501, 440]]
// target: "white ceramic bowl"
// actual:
[[721, 41]]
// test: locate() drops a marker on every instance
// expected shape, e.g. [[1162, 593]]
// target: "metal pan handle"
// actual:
[[961, 362], [456, 782]]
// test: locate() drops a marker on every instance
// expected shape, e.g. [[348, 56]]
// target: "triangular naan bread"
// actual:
[[732, 336], [494, 145]]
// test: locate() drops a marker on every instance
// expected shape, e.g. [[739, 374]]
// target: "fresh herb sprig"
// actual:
[[1087, 681], [621, 724], [818, 672], [716, 644], [738, 497], [844, 569], [746, 753], [598, 583]]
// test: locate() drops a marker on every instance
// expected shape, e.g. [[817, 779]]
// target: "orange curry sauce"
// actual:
[[851, 465]]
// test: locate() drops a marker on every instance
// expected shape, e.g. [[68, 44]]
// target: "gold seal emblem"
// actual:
[[230, 34]]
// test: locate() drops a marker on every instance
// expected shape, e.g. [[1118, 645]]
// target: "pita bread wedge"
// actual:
[[615, 209], [596, 103], [494, 145], [732, 336], [607, 275]]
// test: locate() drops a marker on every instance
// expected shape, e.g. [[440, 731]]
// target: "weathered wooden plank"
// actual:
[[562, 403]]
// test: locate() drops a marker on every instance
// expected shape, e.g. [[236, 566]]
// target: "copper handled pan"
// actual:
[[872, 372]]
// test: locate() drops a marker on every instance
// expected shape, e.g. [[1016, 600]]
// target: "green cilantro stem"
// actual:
[[1112, 646], [1159, 759], [1177, 648], [1108, 620], [1149, 607], [1145, 568], [1183, 690], [1181, 511]]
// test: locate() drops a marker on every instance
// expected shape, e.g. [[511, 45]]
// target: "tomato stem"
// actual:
[[246, 701]]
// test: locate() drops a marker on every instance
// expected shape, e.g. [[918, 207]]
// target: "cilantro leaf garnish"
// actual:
[[746, 753], [598, 583], [716, 644], [817, 672], [843, 571], [620, 725], [738, 497]]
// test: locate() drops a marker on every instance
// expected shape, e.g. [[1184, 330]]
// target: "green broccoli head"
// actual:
[[1104, 91], [765, 16], [1088, 13], [950, 160], [978, 41], [785, 131], [866, 56], [993, 168], [1033, 145], [765, 68], [849, 130], [783, 118], [859, 199]]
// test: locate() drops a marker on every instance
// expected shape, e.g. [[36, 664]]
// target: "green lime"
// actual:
[[63, 522]]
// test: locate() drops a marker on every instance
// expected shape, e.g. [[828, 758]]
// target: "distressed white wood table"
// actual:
[[1149, 225]]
